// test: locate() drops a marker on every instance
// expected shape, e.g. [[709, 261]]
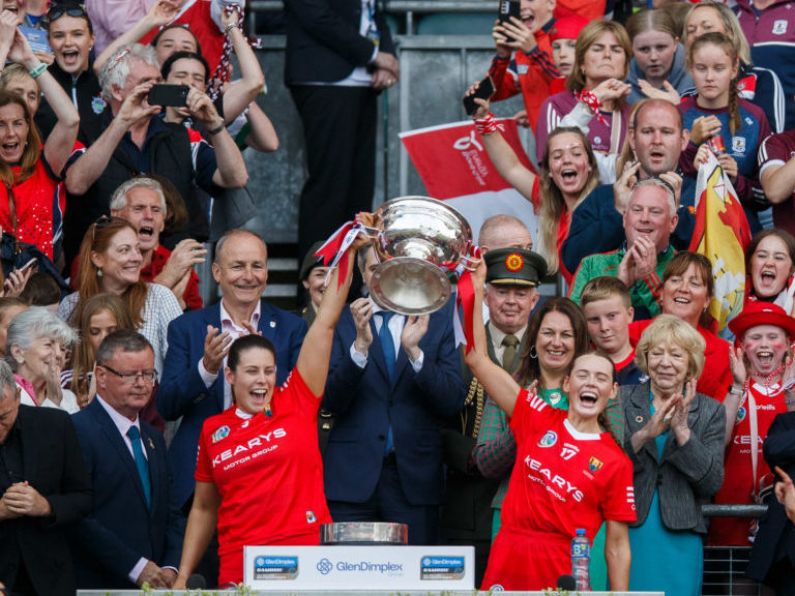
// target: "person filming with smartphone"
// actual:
[[180, 154]]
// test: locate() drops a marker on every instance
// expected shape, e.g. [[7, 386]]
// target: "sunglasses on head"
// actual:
[[73, 10]]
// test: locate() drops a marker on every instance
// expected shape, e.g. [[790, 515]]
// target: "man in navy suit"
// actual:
[[393, 380], [193, 385], [133, 533]]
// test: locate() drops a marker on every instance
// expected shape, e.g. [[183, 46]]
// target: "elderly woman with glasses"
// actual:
[[36, 348], [674, 435], [111, 261]]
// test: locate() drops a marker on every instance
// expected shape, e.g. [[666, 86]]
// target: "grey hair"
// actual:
[[219, 246], [659, 183], [7, 379], [35, 323], [124, 340], [118, 200], [115, 71]]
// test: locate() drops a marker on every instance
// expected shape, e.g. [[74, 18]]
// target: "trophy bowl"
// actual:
[[418, 243], [363, 533]]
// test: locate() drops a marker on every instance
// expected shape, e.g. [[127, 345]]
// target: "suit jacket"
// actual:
[[121, 528], [365, 401], [323, 40], [687, 476], [776, 537], [182, 392], [53, 466]]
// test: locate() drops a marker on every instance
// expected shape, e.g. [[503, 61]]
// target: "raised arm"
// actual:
[[61, 140], [244, 91], [313, 360], [90, 166], [501, 153], [499, 384], [262, 135], [161, 13]]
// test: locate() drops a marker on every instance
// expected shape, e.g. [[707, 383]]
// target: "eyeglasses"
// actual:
[[148, 376]]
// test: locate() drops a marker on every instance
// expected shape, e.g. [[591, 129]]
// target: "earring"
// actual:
[[532, 352], [99, 272]]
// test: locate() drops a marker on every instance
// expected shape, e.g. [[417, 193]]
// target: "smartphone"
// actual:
[[175, 96], [30, 263], [37, 38], [485, 91], [508, 9]]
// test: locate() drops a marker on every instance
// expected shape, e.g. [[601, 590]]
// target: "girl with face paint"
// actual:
[[763, 373]]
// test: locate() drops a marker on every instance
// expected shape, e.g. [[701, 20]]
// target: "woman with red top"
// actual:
[[265, 444], [686, 294], [569, 473], [763, 374], [569, 173], [770, 259], [29, 170]]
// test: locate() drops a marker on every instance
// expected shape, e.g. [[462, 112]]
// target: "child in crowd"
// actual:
[[608, 311], [733, 127], [524, 63], [658, 64]]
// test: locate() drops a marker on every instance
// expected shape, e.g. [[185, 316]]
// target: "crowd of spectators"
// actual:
[[146, 436]]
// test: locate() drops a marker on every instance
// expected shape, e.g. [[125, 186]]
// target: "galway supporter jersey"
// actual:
[[269, 473], [777, 150], [738, 482], [564, 479]]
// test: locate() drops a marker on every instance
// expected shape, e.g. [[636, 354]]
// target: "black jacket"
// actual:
[[323, 40], [90, 104], [54, 466]]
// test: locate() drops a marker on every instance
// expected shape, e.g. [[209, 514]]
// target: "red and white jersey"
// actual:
[[269, 473], [564, 479], [738, 483]]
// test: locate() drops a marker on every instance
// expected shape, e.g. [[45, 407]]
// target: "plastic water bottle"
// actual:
[[581, 560]]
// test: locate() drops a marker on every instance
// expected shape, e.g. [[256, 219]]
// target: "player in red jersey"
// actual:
[[259, 476], [763, 371], [569, 473]]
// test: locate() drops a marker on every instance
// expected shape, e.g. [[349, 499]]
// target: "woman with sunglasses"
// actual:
[[30, 170], [71, 37], [111, 261]]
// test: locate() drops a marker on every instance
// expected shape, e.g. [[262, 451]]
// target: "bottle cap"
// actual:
[[580, 531]]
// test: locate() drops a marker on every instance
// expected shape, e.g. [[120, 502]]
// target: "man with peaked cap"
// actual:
[[511, 281]]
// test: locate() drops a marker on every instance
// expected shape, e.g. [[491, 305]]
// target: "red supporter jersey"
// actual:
[[39, 203], [738, 479], [269, 473], [564, 479]]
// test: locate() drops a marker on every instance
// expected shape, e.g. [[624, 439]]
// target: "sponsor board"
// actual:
[[362, 567]]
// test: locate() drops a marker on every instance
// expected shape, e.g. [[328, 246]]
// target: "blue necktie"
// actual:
[[141, 463], [388, 347]]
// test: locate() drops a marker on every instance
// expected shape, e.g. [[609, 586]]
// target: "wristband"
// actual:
[[37, 70], [589, 99], [487, 125], [735, 390], [214, 131], [229, 27]]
